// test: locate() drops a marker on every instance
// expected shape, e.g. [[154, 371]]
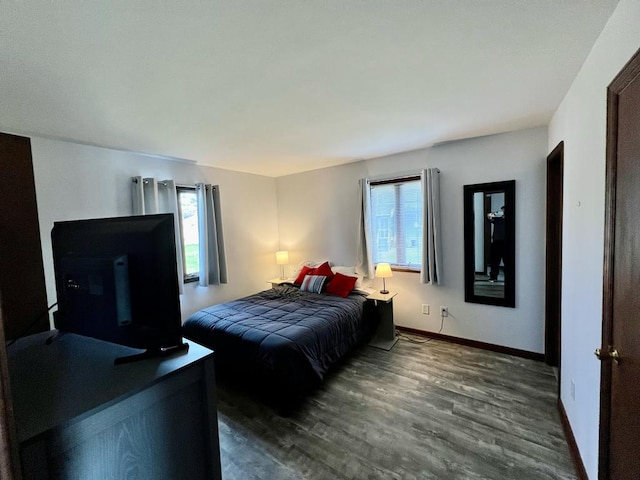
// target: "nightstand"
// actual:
[[279, 281], [385, 335]]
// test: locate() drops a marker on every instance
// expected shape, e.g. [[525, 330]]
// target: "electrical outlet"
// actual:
[[425, 309], [444, 311]]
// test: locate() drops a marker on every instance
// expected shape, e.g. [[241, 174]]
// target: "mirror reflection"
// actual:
[[489, 243]]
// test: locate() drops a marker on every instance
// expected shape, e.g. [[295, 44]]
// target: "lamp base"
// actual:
[[384, 290]]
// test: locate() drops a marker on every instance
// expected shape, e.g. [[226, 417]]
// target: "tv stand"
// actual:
[[152, 353], [79, 416]]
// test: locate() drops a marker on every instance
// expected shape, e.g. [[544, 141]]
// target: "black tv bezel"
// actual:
[[149, 243]]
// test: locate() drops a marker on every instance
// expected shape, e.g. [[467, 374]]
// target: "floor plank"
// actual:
[[420, 411]]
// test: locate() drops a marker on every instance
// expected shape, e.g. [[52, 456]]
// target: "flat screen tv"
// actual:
[[116, 280]]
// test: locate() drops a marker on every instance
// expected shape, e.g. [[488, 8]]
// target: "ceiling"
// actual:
[[281, 86]]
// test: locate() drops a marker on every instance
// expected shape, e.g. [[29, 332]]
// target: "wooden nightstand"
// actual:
[[279, 281], [385, 335]]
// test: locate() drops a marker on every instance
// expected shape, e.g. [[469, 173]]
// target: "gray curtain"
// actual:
[[151, 196], [213, 261], [431, 268], [365, 260]]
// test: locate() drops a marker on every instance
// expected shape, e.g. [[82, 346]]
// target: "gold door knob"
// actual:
[[612, 353], [615, 355]]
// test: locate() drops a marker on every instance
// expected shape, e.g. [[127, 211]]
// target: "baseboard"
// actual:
[[473, 343], [571, 441]]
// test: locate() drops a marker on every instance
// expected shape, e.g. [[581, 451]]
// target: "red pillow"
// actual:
[[303, 273], [323, 270], [341, 285]]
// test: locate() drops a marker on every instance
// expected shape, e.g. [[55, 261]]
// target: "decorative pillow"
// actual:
[[323, 270], [349, 271], [306, 263], [341, 285], [304, 271], [313, 283]]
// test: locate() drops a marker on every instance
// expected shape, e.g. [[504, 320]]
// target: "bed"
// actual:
[[284, 339]]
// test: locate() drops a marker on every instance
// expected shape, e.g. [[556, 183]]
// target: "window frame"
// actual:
[[186, 277], [397, 267]]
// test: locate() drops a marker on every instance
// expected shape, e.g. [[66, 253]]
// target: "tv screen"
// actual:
[[116, 280]]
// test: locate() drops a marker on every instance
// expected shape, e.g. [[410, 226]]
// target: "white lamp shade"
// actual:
[[383, 270], [282, 257]]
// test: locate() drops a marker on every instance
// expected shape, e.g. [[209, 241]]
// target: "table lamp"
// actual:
[[383, 270], [282, 258]]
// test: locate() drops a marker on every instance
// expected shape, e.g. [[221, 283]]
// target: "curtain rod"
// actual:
[[163, 182], [399, 176]]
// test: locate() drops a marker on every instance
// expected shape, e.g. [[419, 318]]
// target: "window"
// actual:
[[396, 222], [188, 212]]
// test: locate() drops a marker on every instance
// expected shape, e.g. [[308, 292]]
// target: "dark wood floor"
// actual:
[[421, 411]]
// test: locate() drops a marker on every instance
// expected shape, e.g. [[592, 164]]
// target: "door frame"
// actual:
[[553, 258], [628, 73]]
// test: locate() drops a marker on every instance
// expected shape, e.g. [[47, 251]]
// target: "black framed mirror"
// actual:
[[490, 243]]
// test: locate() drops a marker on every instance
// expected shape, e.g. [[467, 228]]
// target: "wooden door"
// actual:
[[23, 298], [553, 270], [620, 392]]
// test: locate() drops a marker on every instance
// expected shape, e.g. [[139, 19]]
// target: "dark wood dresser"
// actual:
[[79, 416]]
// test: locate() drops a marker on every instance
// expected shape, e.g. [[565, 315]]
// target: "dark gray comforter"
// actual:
[[282, 334]]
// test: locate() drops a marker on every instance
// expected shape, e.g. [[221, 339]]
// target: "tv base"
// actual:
[[152, 353]]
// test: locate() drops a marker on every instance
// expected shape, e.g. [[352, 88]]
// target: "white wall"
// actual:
[[77, 181], [318, 217], [581, 122]]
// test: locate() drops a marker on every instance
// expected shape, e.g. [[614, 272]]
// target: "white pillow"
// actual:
[[344, 270]]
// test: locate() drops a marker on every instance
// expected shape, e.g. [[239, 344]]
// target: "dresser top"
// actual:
[[53, 383]]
